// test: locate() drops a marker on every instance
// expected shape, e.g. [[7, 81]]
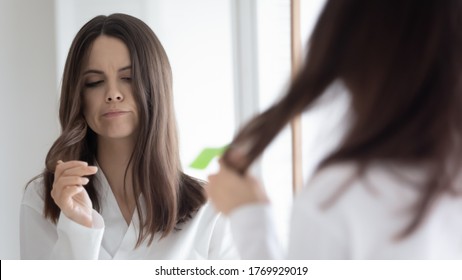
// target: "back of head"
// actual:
[[401, 61]]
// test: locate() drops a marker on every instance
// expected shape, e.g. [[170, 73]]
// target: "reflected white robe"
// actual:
[[205, 236], [360, 224]]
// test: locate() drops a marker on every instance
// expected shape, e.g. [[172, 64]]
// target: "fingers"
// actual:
[[225, 171], [228, 190], [74, 168], [79, 171], [236, 157], [224, 166], [73, 181], [70, 176], [62, 185], [66, 192], [61, 166]]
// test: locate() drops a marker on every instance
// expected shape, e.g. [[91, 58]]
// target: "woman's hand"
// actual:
[[68, 191], [229, 190]]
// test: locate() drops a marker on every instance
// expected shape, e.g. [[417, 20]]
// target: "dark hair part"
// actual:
[[171, 197], [402, 63]]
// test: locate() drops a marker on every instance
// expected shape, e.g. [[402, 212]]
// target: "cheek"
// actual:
[[130, 99], [89, 106]]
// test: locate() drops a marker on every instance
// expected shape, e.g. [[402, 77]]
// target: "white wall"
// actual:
[[197, 38], [28, 108]]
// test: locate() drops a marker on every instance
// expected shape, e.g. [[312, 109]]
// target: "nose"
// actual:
[[117, 97], [113, 94]]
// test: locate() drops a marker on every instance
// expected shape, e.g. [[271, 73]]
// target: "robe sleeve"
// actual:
[[42, 239], [222, 246], [254, 232]]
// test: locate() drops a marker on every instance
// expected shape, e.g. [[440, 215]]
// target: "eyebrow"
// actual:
[[93, 71]]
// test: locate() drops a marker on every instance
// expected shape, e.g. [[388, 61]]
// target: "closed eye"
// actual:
[[93, 84], [127, 79]]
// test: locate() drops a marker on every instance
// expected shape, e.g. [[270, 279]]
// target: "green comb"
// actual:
[[206, 156]]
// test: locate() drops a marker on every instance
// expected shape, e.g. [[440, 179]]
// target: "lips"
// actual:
[[114, 113]]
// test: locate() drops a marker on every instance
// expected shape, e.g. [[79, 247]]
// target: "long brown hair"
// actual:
[[402, 63], [171, 196]]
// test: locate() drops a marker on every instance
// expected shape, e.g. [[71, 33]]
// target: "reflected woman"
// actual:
[[392, 189], [113, 187]]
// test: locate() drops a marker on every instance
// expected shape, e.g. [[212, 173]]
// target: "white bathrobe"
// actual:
[[361, 223], [205, 236]]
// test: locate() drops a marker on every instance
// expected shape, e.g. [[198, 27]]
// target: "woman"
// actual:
[[392, 188], [113, 186]]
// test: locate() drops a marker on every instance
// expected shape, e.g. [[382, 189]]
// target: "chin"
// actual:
[[119, 135]]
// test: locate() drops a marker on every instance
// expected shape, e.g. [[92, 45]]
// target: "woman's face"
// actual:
[[109, 107]]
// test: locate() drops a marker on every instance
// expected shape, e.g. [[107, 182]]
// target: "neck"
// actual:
[[113, 157]]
